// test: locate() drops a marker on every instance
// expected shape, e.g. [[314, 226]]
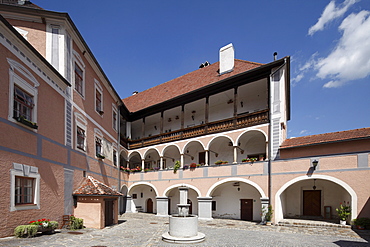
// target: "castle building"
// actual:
[[71, 145]]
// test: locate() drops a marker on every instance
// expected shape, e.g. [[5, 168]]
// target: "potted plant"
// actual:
[[100, 156], [45, 225], [268, 211], [343, 212], [362, 223], [193, 166], [176, 166], [218, 162]]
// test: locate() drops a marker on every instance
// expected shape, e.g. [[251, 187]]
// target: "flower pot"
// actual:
[[268, 223], [360, 227], [342, 222]]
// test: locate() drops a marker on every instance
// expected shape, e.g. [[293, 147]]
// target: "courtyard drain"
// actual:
[[230, 224], [76, 233], [153, 223]]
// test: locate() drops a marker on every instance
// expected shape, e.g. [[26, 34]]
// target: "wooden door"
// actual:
[[312, 202], [108, 213], [149, 206], [246, 209]]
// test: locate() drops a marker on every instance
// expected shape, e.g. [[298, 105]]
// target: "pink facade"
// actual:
[[227, 133]]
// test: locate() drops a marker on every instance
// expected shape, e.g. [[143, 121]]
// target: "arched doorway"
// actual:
[[149, 205], [314, 197], [123, 200], [236, 198]]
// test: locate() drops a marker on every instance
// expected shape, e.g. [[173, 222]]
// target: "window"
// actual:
[[24, 188], [114, 119], [99, 98], [78, 79], [98, 147], [81, 138], [114, 157], [22, 95], [98, 103], [23, 104]]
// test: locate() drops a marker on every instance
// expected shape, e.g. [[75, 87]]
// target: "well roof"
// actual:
[[93, 187]]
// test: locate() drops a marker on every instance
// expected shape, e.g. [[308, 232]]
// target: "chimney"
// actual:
[[226, 59], [135, 92]]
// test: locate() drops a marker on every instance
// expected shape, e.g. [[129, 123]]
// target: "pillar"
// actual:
[[142, 165], [205, 208], [182, 160], [162, 206], [235, 154], [206, 157], [128, 204], [161, 163], [265, 201]]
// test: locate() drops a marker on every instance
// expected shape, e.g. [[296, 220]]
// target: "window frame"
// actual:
[[23, 185], [79, 84], [80, 122], [22, 78], [114, 121], [99, 89], [29, 172], [77, 61], [80, 146]]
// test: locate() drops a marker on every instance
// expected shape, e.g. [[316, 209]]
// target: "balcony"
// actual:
[[240, 121]]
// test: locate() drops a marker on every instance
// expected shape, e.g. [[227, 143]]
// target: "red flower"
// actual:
[[40, 224], [43, 219], [38, 220]]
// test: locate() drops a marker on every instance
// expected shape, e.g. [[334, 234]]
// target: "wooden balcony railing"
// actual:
[[241, 121]]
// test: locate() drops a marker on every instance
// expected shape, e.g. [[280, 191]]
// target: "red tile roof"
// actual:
[[347, 135], [184, 84], [94, 187]]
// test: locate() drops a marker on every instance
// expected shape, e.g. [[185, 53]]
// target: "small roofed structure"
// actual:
[[97, 203]]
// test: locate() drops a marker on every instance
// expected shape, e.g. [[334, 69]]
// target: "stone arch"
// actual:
[[278, 215], [169, 146], [252, 144], [217, 137], [165, 193], [123, 199], [143, 183], [189, 142], [234, 179]]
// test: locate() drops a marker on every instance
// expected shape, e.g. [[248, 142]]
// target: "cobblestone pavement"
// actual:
[[146, 230]]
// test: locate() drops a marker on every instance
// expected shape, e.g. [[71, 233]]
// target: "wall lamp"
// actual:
[[314, 164]]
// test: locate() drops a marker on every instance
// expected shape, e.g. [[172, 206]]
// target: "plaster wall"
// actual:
[[90, 210]]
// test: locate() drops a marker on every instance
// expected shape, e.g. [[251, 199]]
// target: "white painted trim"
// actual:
[[218, 136], [143, 183], [279, 211], [256, 186], [19, 171], [182, 185], [187, 145]]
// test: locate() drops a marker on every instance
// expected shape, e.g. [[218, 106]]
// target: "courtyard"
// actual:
[[142, 229]]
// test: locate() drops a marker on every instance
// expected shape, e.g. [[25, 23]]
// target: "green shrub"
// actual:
[[54, 224], [365, 222], [76, 223], [24, 231]]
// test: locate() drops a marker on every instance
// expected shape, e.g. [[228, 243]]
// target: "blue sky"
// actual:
[[141, 44]]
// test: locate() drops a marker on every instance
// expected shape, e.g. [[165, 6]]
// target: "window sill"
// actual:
[[26, 122]]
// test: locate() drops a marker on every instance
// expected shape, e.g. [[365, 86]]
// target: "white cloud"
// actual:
[[349, 60], [309, 65], [330, 13], [303, 132]]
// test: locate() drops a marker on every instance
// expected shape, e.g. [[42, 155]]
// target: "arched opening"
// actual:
[[252, 144], [221, 148], [135, 160], [123, 200], [152, 160], [236, 199], [141, 195], [170, 155], [314, 198], [174, 199], [194, 153]]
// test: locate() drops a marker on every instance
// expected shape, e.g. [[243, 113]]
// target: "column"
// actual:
[[142, 164], [161, 163], [162, 206], [235, 154], [265, 201], [206, 157], [128, 204], [205, 208], [182, 160]]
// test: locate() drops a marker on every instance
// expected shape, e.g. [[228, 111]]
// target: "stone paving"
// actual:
[[142, 229]]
